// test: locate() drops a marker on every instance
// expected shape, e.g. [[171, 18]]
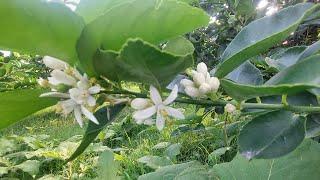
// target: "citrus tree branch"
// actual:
[[307, 109]]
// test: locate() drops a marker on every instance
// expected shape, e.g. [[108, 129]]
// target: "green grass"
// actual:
[[46, 122], [135, 141]]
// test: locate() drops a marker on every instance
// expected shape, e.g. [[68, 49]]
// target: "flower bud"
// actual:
[[202, 68], [229, 108], [214, 84], [199, 79], [186, 82], [204, 88], [54, 63], [140, 103], [192, 91]]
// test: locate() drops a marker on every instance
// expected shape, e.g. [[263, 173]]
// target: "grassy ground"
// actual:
[[128, 140]]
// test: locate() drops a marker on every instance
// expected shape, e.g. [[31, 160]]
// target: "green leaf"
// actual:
[[107, 167], [173, 150], [311, 50], [243, 92], [105, 116], [286, 58], [155, 162], [138, 19], [245, 8], [313, 125], [215, 155], [262, 34], [40, 27], [186, 171], [140, 61], [303, 163], [89, 10], [30, 166], [271, 135], [17, 104], [246, 73], [304, 72]]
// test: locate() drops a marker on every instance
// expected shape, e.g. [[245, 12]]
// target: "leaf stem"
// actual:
[[203, 102]]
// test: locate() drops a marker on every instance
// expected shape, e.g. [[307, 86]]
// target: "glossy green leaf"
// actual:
[[305, 72], [245, 7], [303, 163], [107, 166], [246, 73], [140, 61], [286, 58], [186, 171], [155, 162], [313, 125], [173, 150], [105, 116], [17, 104], [311, 50], [271, 135], [30, 166], [141, 20], [92, 9], [262, 34], [243, 92], [40, 27]]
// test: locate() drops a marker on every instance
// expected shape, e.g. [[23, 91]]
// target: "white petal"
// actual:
[[186, 82], [89, 115], [139, 121], [63, 78], [140, 103], [199, 79], [53, 81], [172, 96], [94, 89], [160, 121], [68, 106], [83, 84], [148, 122], [77, 95], [145, 114], [202, 68], [174, 113], [192, 91], [55, 94], [77, 115], [204, 88], [54, 63], [91, 101], [155, 95], [76, 73]]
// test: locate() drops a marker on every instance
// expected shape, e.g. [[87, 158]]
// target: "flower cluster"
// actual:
[[202, 84], [75, 90], [230, 108], [146, 108]]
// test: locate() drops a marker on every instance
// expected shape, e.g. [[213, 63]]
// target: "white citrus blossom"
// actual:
[[202, 83], [80, 94], [54, 63], [147, 108], [230, 108]]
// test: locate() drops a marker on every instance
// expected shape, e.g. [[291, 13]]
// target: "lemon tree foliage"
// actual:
[[265, 109]]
